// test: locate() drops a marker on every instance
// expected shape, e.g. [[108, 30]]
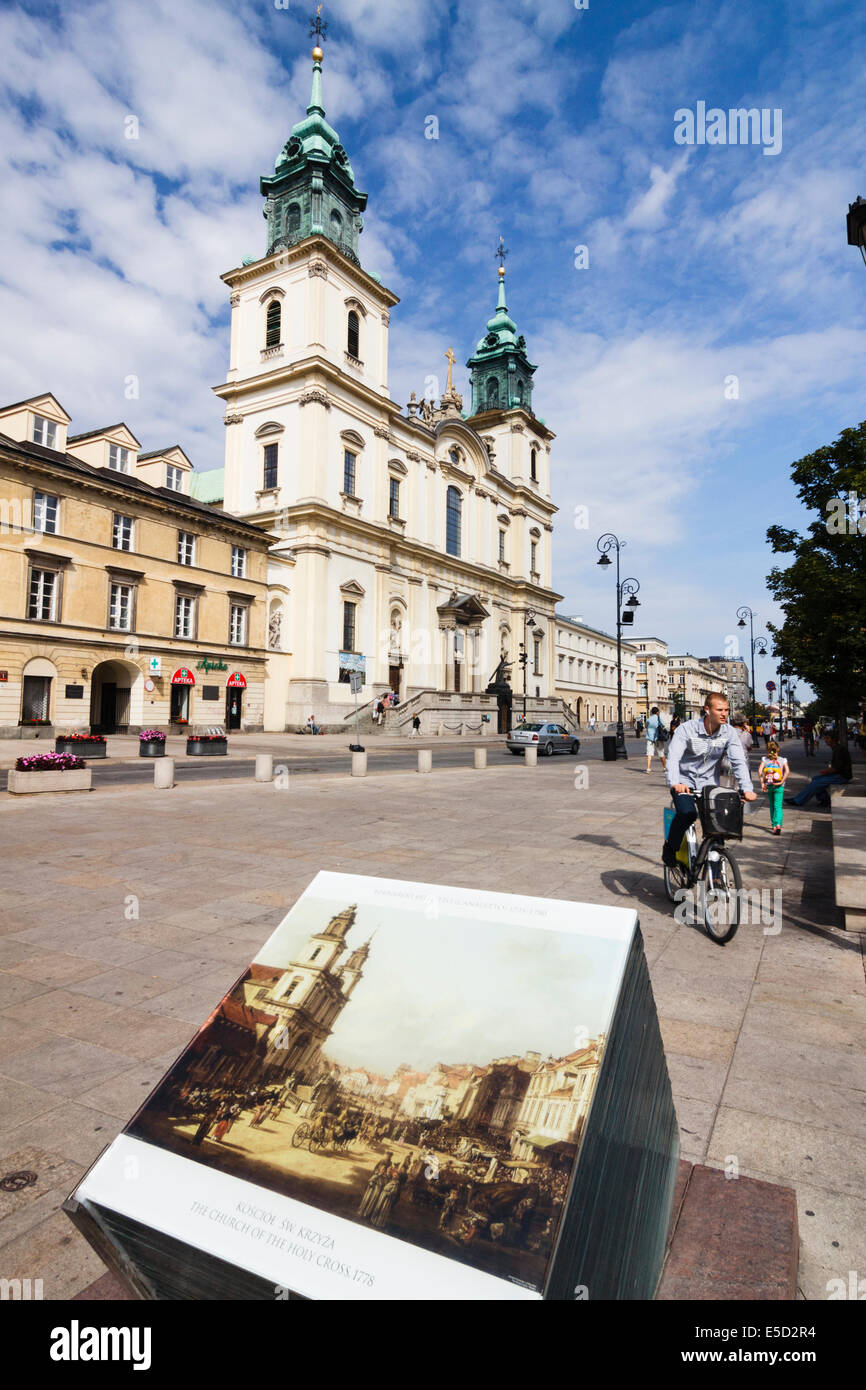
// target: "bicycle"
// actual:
[[709, 866]]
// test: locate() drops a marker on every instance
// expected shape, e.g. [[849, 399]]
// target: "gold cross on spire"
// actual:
[[451, 360]]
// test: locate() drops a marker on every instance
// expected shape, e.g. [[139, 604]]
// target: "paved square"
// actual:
[[128, 912]]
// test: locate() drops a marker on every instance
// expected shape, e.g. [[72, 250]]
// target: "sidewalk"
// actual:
[[765, 1037]]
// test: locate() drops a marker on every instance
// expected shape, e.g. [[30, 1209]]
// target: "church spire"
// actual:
[[501, 371], [312, 189]]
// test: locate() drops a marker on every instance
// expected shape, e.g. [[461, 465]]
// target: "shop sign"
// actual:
[[4, 675], [236, 681], [183, 676], [207, 665], [154, 666]]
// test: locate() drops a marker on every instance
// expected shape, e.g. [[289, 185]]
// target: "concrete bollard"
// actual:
[[480, 758], [163, 772], [264, 767], [425, 759], [359, 764], [530, 757]]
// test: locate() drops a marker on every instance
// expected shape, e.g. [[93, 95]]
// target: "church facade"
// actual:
[[418, 539]]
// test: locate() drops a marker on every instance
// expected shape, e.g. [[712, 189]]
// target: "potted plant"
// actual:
[[49, 772], [213, 744], [151, 744], [82, 745]]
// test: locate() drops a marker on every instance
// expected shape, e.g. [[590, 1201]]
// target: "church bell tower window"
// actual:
[[353, 335], [492, 393], [452, 521], [270, 472], [272, 329]]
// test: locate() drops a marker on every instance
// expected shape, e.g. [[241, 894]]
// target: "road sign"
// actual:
[[352, 661], [771, 686], [356, 681]]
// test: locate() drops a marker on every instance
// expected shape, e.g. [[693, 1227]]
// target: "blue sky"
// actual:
[[556, 129]]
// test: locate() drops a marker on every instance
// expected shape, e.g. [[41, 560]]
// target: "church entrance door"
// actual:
[[394, 679]]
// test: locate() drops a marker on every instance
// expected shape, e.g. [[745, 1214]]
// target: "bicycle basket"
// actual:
[[721, 812]]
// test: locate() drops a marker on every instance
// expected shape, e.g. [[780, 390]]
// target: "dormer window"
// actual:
[[273, 323], [353, 335], [44, 432], [118, 458], [173, 477]]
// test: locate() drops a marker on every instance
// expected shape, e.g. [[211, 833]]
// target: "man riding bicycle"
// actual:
[[694, 761]]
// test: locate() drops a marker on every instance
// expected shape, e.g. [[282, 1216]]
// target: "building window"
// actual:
[[184, 615], [118, 458], [272, 325], [121, 532], [270, 478], [120, 607], [349, 460], [173, 478], [353, 335], [293, 218], [44, 431], [336, 226], [394, 498], [533, 556], [239, 562], [349, 627], [536, 656], [452, 521], [492, 393], [42, 601], [502, 546], [533, 465], [45, 513], [185, 548], [238, 624]]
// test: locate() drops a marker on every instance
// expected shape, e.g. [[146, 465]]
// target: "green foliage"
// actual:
[[823, 590]]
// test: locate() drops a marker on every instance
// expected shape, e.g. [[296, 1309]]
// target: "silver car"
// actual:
[[547, 738]]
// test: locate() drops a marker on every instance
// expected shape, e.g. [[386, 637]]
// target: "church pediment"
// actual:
[[463, 609], [353, 588]]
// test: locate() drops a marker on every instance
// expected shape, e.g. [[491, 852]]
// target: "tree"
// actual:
[[823, 591]]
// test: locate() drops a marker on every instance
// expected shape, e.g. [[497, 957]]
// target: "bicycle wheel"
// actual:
[[719, 889], [676, 879]]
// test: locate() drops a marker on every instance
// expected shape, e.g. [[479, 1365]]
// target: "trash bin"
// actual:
[[608, 747]]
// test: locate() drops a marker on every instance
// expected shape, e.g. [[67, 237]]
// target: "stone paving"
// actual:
[[127, 913]]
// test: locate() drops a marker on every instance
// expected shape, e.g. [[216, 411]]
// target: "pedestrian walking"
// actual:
[[416, 726], [809, 736], [656, 738], [773, 771]]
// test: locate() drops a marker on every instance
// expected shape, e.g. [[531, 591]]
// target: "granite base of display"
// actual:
[[75, 780]]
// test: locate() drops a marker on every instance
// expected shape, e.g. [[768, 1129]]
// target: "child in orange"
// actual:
[[773, 772]]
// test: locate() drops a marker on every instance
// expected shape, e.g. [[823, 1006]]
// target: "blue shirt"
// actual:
[[694, 756]]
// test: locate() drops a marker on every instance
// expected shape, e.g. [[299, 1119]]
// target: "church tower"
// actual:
[[501, 371], [312, 189]]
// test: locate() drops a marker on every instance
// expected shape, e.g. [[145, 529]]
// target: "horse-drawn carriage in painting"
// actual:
[[328, 1132]]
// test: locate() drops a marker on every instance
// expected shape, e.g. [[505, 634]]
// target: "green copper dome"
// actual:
[[312, 189], [501, 371]]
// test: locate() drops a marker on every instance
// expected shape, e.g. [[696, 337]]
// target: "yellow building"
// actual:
[[125, 603]]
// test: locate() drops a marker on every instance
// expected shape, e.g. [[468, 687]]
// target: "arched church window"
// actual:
[[492, 393], [453, 507], [520, 393], [293, 218], [533, 464], [353, 335], [336, 224], [454, 457], [272, 330]]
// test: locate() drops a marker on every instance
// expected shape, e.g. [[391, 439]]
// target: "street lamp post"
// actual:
[[761, 644], [627, 586], [528, 622]]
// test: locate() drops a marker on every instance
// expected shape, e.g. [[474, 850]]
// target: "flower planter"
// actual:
[[206, 747], [81, 747], [151, 749], [74, 780]]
